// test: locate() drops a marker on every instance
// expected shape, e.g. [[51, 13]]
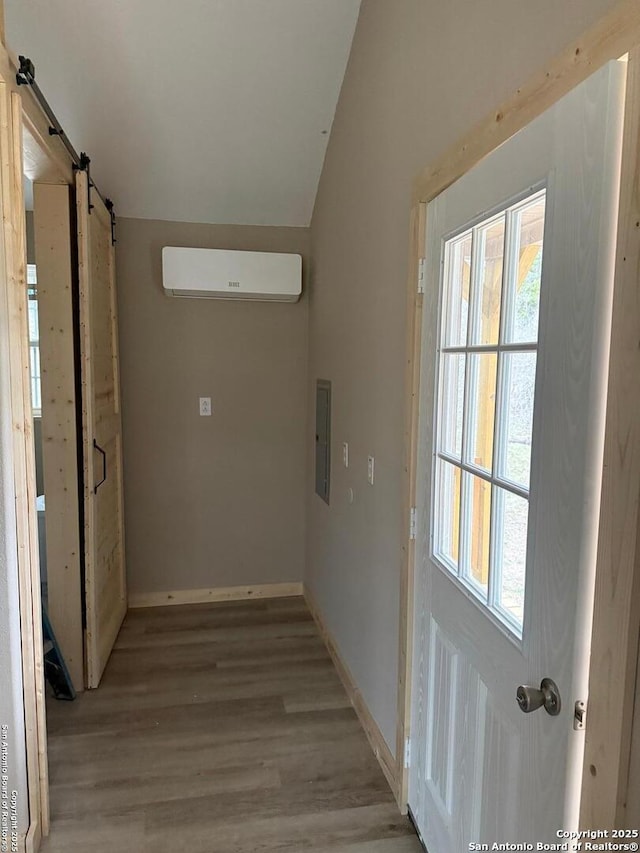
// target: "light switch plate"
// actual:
[[205, 407]]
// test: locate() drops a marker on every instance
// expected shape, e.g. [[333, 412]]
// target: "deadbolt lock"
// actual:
[[547, 696]]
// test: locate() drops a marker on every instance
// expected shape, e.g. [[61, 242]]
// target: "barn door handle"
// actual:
[[104, 466]]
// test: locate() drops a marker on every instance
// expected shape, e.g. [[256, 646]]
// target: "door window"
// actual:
[[487, 371]]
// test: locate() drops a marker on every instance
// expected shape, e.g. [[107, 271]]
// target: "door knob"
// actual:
[[547, 696]]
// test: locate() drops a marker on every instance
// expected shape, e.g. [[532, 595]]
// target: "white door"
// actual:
[[515, 347]]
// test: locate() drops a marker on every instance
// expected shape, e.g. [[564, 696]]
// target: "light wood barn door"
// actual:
[[105, 580]]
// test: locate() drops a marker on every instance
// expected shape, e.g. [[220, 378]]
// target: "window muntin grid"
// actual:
[[34, 340], [488, 343]]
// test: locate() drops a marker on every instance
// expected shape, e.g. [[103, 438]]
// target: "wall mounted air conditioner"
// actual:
[[222, 274]]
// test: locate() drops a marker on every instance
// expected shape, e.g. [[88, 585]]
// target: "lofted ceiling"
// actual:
[[198, 110]]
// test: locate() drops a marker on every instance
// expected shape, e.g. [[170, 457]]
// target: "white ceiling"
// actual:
[[194, 110]]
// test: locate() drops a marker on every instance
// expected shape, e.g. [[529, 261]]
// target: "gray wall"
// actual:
[[31, 240], [421, 73], [219, 501]]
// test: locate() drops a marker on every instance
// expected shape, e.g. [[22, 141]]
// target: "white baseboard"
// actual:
[[201, 596], [376, 740]]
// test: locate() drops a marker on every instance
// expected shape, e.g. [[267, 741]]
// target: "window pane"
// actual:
[[482, 406], [447, 512], [453, 366], [34, 360], [528, 225], [490, 316], [456, 293], [489, 282], [32, 306], [477, 529], [512, 514], [518, 384]]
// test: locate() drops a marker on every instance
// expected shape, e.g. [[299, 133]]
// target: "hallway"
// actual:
[[218, 728]]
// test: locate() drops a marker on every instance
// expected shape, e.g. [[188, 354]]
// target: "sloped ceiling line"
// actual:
[[213, 111]]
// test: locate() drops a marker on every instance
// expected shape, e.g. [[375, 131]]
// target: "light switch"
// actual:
[[205, 407], [345, 454], [370, 469]]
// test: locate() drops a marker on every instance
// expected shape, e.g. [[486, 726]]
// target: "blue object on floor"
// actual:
[[55, 669]]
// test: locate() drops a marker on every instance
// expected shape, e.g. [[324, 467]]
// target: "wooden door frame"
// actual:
[[617, 609], [20, 459], [42, 158]]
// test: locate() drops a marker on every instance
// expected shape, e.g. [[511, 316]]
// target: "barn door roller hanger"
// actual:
[[26, 76]]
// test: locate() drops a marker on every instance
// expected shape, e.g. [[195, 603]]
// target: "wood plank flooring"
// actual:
[[218, 728]]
